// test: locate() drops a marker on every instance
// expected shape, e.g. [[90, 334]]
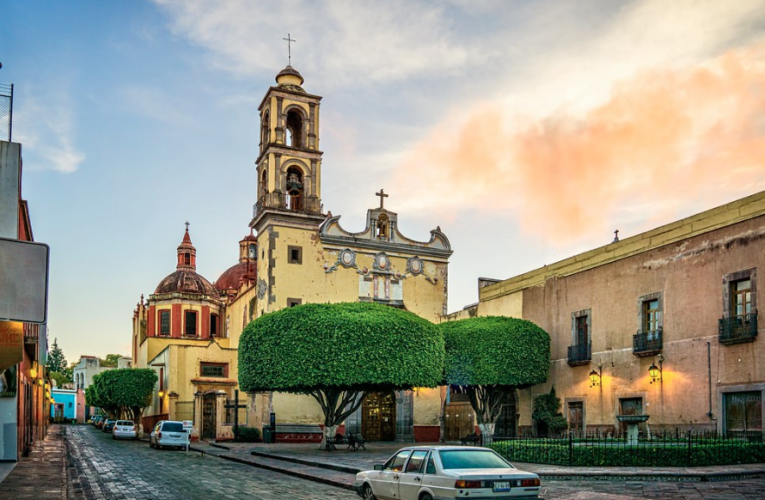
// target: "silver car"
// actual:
[[439, 472], [125, 429], [168, 433]]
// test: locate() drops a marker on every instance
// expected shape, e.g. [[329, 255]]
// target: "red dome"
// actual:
[[232, 277]]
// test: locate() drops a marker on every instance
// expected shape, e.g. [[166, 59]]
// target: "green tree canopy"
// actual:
[[124, 390], [111, 360], [56, 359], [338, 352], [492, 356]]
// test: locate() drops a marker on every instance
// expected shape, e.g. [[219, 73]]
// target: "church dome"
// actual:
[[234, 275], [290, 79], [185, 279]]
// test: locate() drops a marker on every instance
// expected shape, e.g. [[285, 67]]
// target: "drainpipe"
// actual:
[[709, 371]]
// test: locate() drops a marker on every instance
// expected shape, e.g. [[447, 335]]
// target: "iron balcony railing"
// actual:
[[647, 343], [738, 329], [580, 354], [278, 201]]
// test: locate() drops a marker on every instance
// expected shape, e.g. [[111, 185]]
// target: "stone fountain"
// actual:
[[632, 421]]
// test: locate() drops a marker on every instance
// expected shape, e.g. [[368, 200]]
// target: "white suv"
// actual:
[[169, 433]]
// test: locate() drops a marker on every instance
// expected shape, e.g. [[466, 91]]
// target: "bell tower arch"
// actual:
[[289, 163]]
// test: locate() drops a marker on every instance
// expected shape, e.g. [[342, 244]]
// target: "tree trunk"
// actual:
[[337, 405], [487, 401]]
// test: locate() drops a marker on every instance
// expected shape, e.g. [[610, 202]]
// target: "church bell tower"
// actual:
[[289, 163]]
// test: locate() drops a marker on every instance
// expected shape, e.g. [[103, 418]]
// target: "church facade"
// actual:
[[297, 253]]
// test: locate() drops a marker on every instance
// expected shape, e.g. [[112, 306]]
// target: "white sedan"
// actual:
[[169, 434], [439, 472], [125, 429]]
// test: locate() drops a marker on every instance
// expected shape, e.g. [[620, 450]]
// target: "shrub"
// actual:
[[248, 435]]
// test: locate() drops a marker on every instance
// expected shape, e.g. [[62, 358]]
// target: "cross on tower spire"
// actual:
[[382, 196], [187, 226], [289, 41]]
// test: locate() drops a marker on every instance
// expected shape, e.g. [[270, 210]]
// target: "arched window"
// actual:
[[265, 130], [294, 189], [383, 226], [187, 259], [294, 129], [264, 183]]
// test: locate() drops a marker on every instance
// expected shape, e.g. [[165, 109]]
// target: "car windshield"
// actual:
[[125, 422], [173, 427], [472, 459]]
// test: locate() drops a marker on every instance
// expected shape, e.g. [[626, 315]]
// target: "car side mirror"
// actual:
[[379, 467]]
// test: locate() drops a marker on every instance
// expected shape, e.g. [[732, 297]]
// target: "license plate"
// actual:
[[502, 486]]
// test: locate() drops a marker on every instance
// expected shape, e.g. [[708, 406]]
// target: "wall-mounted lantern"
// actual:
[[33, 370], [161, 394], [656, 371], [596, 376]]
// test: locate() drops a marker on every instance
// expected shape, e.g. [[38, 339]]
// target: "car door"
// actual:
[[410, 481], [387, 484]]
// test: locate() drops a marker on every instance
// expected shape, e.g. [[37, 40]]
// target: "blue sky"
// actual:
[[528, 131]]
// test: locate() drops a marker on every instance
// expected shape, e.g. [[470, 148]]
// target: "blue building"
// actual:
[[65, 405]]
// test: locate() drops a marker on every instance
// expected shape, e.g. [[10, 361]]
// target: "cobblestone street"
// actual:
[[100, 468]]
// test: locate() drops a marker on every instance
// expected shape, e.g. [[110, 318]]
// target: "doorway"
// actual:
[[507, 421], [378, 417], [743, 414], [209, 408], [576, 418]]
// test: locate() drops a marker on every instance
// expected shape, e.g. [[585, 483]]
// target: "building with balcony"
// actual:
[[663, 323]]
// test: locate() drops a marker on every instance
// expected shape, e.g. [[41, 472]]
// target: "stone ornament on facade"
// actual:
[[382, 262], [346, 258], [262, 288]]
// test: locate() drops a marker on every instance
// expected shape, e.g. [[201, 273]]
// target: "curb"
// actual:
[[708, 477], [320, 465], [308, 477]]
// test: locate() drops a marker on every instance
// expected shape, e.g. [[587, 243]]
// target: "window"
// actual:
[[214, 370], [651, 315], [294, 129], [187, 259], [582, 335], [741, 297], [397, 462], [191, 323], [431, 467], [164, 322], [743, 412], [472, 459], [213, 325], [294, 302], [415, 463], [294, 254], [294, 189]]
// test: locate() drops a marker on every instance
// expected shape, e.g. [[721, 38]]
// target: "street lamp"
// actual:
[[656, 371], [596, 376]]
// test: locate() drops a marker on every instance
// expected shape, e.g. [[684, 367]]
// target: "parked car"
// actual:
[[125, 429], [94, 420], [170, 434], [429, 472], [100, 421], [108, 425]]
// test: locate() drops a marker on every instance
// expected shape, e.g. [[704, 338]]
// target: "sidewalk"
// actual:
[[339, 467], [41, 475]]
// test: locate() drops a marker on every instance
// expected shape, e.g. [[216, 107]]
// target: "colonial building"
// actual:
[[662, 323], [82, 373], [299, 254]]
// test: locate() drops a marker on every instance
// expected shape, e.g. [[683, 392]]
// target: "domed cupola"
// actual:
[[185, 279], [243, 272]]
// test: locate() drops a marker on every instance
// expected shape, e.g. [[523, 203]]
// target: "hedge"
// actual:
[[561, 452], [353, 346], [496, 350]]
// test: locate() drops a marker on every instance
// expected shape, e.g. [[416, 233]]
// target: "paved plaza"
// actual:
[[99, 468]]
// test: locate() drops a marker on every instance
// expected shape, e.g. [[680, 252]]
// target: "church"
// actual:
[[188, 330]]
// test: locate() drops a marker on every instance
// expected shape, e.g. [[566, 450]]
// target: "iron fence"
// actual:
[[647, 343], [6, 111], [579, 354], [676, 448]]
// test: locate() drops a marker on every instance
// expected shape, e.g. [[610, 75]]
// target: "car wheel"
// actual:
[[426, 496], [367, 493]]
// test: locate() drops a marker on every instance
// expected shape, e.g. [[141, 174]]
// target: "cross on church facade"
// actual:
[[235, 406], [382, 196], [289, 41]]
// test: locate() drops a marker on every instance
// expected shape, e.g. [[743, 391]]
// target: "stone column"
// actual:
[[171, 410], [221, 431], [196, 431]]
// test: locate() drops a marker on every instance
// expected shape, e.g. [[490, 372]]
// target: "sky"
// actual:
[[527, 130]]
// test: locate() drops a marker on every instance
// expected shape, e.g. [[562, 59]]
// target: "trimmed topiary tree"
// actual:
[[337, 353], [491, 356], [545, 412], [123, 391]]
